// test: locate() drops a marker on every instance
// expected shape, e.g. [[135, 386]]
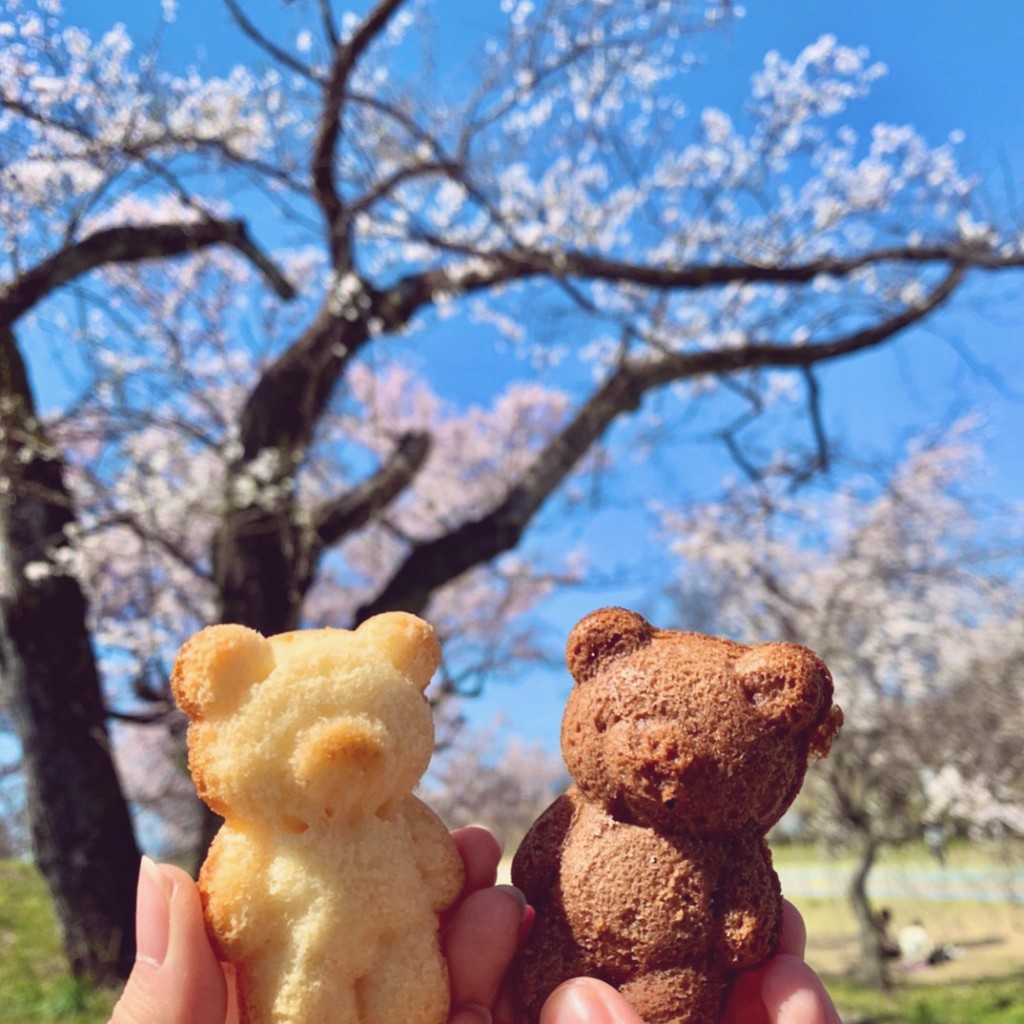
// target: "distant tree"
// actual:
[[974, 784], [259, 434], [151, 762], [911, 596]]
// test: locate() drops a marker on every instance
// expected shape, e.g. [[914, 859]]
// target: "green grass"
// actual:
[[35, 986], [979, 1002]]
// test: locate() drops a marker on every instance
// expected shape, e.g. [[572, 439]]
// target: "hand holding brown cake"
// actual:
[[652, 872]]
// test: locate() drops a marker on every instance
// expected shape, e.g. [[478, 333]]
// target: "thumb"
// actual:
[[176, 978], [587, 1001]]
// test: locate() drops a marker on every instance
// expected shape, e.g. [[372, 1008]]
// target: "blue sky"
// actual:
[[952, 66]]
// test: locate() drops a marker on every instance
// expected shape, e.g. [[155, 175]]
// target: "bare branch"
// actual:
[[506, 266], [702, 276], [409, 173], [271, 48], [432, 563], [353, 510], [158, 717], [345, 59], [729, 436], [285, 404], [327, 20], [393, 113], [817, 421], [243, 242], [132, 244]]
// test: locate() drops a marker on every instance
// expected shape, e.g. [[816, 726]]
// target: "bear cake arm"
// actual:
[[535, 867], [232, 890], [749, 899], [437, 859]]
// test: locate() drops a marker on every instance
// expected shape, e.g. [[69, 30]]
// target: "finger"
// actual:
[[793, 994], [587, 1001], [229, 977], [481, 854], [793, 940], [744, 1004], [176, 978], [472, 1015], [479, 944]]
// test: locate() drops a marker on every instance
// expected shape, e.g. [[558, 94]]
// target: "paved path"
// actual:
[[995, 884]]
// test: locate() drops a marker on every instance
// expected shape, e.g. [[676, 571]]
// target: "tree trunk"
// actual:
[[874, 967], [82, 836], [257, 567], [81, 830]]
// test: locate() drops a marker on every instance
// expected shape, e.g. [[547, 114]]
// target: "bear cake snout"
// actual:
[[344, 742]]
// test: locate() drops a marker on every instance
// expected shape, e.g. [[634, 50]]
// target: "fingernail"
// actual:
[[576, 1002], [490, 831], [472, 1013], [152, 914], [516, 894]]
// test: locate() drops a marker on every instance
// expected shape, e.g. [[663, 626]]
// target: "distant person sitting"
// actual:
[[882, 921], [918, 949], [915, 945]]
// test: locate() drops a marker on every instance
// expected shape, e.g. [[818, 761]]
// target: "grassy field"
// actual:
[[988, 938], [984, 986], [35, 987]]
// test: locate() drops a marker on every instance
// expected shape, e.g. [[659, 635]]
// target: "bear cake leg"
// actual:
[[404, 975], [681, 995]]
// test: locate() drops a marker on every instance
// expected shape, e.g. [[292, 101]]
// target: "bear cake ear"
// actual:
[[408, 642], [822, 737], [787, 683], [217, 666], [603, 636]]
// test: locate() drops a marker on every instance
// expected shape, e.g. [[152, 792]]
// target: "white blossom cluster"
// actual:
[[87, 122], [474, 452], [903, 590], [990, 805]]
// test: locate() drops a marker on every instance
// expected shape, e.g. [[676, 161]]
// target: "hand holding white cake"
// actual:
[[324, 885]]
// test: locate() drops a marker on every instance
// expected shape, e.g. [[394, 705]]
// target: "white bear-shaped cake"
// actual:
[[324, 884]]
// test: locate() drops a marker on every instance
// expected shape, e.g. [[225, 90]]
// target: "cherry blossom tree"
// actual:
[[914, 598], [253, 432], [502, 780]]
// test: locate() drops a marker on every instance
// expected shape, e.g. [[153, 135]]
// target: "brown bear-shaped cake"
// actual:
[[652, 872]]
